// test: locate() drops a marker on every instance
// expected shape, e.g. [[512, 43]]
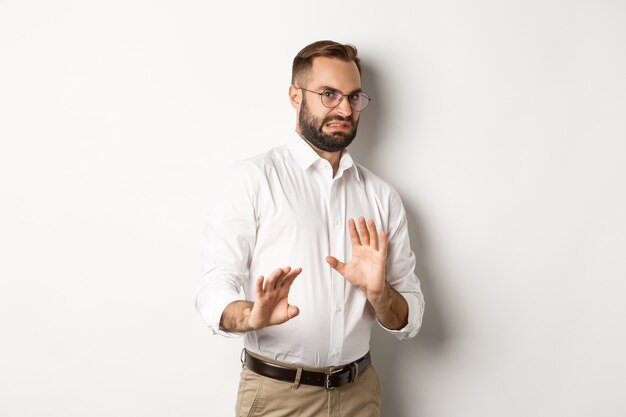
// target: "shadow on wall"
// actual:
[[390, 356]]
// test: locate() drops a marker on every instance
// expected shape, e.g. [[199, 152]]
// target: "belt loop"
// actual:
[[355, 366], [242, 356], [296, 382]]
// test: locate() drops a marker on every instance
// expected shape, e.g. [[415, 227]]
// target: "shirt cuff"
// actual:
[[212, 314]]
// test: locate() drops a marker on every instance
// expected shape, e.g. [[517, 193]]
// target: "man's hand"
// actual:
[[270, 306], [366, 269]]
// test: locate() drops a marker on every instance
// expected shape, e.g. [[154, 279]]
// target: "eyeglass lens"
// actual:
[[358, 101]]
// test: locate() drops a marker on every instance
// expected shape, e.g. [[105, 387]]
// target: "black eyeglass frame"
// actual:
[[340, 99]]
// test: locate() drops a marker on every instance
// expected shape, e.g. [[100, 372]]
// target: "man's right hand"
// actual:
[[270, 306]]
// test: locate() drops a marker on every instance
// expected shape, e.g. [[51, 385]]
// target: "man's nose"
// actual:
[[344, 108]]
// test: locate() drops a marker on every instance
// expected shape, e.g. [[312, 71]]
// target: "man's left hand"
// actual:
[[366, 269]]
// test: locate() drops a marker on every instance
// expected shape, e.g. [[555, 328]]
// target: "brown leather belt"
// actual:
[[328, 380]]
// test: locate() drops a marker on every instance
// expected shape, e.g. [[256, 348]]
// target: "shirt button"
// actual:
[[336, 222], [338, 309]]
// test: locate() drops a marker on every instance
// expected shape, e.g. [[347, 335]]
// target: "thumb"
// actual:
[[292, 311], [336, 264]]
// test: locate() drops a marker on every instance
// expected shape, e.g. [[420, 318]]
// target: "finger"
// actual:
[[279, 281], [336, 264], [383, 243], [273, 279], [281, 276], [290, 277], [292, 311], [259, 286], [371, 228], [365, 235], [354, 236]]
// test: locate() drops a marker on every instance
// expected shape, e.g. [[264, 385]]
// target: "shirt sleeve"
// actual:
[[228, 240], [401, 269]]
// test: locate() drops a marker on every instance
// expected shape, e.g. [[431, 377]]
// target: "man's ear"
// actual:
[[295, 97]]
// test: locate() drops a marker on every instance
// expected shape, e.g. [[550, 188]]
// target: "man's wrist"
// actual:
[[382, 301], [390, 308], [245, 315]]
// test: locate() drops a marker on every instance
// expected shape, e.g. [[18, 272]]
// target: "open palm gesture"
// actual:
[[271, 305], [366, 269]]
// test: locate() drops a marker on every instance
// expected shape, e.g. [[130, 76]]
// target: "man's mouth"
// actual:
[[338, 124]]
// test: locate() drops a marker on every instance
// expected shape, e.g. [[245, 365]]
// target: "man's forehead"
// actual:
[[335, 73]]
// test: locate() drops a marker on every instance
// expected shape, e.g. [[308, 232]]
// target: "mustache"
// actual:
[[337, 119]]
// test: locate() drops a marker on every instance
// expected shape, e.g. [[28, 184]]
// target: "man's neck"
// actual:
[[333, 158]]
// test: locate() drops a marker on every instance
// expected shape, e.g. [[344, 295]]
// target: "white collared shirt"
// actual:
[[284, 208]]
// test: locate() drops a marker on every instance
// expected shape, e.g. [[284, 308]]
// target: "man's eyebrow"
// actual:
[[327, 87]]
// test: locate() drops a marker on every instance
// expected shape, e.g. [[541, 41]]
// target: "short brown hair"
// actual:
[[303, 62]]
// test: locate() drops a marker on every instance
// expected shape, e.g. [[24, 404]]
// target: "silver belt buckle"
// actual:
[[327, 382], [327, 378]]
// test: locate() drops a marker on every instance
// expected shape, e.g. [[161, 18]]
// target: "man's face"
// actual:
[[329, 129]]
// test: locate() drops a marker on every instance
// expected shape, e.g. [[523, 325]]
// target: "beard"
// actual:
[[312, 126]]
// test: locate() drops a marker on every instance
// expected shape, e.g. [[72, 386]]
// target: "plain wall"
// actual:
[[501, 124]]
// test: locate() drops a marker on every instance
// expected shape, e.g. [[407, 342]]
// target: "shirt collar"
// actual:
[[305, 156]]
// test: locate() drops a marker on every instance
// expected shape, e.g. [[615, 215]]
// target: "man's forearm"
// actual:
[[235, 317], [391, 309]]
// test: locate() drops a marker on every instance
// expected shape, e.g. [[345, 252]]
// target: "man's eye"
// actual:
[[329, 94], [354, 97]]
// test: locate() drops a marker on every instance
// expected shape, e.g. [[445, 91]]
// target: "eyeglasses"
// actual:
[[331, 98]]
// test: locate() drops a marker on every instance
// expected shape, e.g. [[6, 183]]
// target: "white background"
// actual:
[[501, 123]]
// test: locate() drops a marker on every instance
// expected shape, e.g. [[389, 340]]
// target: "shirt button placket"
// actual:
[[338, 281]]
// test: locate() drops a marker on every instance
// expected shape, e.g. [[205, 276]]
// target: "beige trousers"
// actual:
[[267, 397]]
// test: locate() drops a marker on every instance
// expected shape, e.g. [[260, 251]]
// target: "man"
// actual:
[[290, 230]]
